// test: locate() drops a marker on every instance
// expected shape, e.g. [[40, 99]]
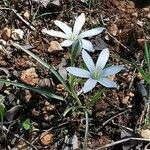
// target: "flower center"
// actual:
[[96, 74], [73, 37]]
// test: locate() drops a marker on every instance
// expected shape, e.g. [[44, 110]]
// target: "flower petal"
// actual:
[[64, 27], [112, 70], [87, 45], [89, 85], [54, 33], [88, 61], [102, 59], [107, 83], [78, 72], [79, 24], [91, 32], [66, 43]]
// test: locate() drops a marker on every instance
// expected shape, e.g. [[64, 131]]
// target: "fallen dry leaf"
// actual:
[[141, 42], [113, 29], [54, 47], [46, 138], [6, 34], [29, 76]]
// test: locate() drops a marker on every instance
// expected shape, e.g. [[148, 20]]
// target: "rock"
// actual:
[[140, 23], [56, 2], [145, 133], [17, 34], [46, 138], [29, 76], [54, 47], [135, 14], [26, 14]]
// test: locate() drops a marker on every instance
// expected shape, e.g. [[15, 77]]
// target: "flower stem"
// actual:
[[86, 130]]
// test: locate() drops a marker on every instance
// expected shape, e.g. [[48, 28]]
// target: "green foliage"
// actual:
[[7, 3], [2, 106], [2, 112], [76, 49], [97, 96], [146, 71], [47, 66], [32, 88], [26, 124]]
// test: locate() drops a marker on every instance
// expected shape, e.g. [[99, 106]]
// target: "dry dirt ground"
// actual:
[[117, 115]]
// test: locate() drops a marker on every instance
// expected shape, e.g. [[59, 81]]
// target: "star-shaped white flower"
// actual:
[[96, 72], [72, 35]]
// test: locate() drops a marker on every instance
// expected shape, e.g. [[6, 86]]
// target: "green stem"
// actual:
[[76, 97], [2, 132], [86, 130]]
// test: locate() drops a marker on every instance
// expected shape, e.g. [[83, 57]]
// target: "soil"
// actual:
[[120, 113]]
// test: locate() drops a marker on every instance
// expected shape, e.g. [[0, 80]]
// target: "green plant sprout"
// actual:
[[79, 102], [2, 112], [26, 124], [145, 72]]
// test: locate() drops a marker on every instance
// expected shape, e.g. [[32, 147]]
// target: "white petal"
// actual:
[[54, 33], [107, 83], [66, 43], [89, 85], [78, 72], [88, 61], [79, 24], [112, 70], [91, 32], [64, 27], [102, 59], [87, 45]]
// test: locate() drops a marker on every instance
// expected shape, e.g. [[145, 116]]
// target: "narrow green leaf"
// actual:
[[96, 97], [76, 49], [68, 110], [26, 124], [147, 54], [2, 110], [57, 75], [142, 72], [2, 98], [32, 88]]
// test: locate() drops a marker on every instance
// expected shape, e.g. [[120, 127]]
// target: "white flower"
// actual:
[[72, 35], [96, 72]]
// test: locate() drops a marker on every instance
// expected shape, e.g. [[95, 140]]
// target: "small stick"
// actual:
[[20, 17], [114, 117], [113, 36], [20, 138], [118, 41], [122, 141]]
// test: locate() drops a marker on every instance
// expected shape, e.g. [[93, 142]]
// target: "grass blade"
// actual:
[[32, 88], [96, 97], [147, 55], [142, 72], [44, 64]]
